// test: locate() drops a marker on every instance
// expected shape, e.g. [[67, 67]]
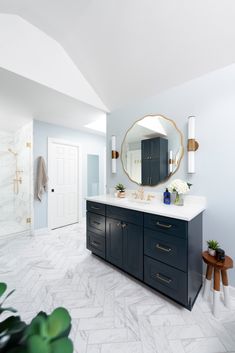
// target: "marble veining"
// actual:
[[15, 208], [111, 312]]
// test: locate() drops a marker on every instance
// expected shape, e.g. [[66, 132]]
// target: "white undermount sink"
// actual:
[[143, 202]]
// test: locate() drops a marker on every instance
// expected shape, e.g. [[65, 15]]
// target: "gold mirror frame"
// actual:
[[181, 143]]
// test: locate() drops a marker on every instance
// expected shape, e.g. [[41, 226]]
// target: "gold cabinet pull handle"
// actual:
[[164, 225], [163, 248], [95, 244], [96, 222], [95, 208], [163, 278]]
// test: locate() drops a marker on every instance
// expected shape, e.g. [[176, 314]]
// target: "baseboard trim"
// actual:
[[40, 231], [16, 235]]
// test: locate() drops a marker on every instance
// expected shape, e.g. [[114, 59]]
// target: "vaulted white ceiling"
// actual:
[[130, 49], [22, 100]]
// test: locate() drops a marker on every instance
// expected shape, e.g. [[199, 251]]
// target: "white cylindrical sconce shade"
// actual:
[[113, 143], [192, 144], [115, 155], [191, 127], [191, 162], [114, 166]]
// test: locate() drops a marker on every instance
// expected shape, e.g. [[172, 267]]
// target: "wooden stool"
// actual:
[[218, 267]]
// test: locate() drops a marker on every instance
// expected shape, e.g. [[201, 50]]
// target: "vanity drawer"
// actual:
[[125, 214], [166, 279], [96, 207], [167, 225], [96, 223], [96, 243], [166, 248]]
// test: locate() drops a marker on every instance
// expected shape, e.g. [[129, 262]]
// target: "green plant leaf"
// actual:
[[12, 310], [17, 350], [12, 325], [37, 344], [35, 327], [3, 288], [8, 295], [63, 345], [213, 244], [58, 322]]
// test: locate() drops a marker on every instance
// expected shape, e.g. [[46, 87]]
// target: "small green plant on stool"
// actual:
[[213, 245], [121, 190]]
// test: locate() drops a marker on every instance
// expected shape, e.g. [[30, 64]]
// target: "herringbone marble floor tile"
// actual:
[[111, 312]]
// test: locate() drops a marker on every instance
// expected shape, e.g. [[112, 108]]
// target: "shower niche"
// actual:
[[16, 181]]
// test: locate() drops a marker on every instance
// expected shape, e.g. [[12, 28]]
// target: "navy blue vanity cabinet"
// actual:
[[133, 249], [172, 261], [95, 207], [124, 239], [96, 233], [114, 249], [162, 252]]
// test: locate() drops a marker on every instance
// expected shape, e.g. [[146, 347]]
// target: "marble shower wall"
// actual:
[[6, 177], [15, 208]]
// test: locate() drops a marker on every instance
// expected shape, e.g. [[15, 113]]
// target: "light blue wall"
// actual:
[[212, 99], [90, 143]]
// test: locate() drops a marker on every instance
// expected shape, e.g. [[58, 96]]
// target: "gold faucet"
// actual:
[[149, 197], [139, 194]]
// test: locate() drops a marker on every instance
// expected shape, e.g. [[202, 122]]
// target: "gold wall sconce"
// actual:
[[193, 145], [171, 161], [115, 155]]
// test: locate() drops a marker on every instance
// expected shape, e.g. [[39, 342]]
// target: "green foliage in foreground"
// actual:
[[45, 333]]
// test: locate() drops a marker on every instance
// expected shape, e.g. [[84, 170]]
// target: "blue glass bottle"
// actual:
[[167, 197]]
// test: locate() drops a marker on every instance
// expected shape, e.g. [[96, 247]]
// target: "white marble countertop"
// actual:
[[193, 206]]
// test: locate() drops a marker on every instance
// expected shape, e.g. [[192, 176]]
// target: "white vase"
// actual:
[[211, 252]]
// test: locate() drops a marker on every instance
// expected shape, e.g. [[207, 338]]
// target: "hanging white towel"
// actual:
[[42, 178]]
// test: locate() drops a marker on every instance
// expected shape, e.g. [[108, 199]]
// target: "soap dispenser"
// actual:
[[167, 197]]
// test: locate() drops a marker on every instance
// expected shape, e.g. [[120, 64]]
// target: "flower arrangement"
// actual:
[[179, 187]]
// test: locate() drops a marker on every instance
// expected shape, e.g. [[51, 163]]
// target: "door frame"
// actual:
[[102, 170], [50, 141]]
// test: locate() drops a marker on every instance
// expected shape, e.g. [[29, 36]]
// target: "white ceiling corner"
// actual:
[[130, 49], [29, 52]]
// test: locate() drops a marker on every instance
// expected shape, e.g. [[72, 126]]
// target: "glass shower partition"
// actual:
[[16, 196]]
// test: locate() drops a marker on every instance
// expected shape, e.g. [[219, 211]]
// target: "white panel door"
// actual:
[[63, 180]]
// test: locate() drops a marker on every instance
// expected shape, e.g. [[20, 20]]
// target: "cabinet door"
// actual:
[[114, 244], [154, 148], [133, 249], [145, 172], [154, 172], [145, 149]]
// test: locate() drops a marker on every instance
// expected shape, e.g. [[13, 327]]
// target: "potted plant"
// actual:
[[120, 190], [213, 245], [44, 334], [177, 189]]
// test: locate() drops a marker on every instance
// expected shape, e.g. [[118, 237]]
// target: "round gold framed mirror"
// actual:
[[152, 150]]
